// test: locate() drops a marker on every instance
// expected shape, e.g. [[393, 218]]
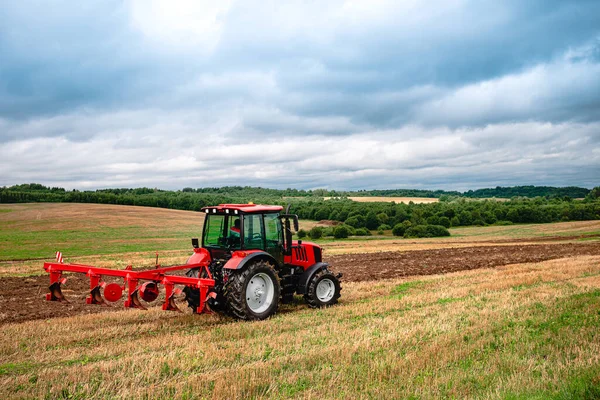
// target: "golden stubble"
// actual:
[[385, 339]]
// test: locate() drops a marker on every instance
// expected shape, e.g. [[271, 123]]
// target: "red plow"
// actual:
[[144, 284]]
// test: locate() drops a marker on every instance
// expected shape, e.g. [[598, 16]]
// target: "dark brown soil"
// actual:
[[392, 264], [23, 299]]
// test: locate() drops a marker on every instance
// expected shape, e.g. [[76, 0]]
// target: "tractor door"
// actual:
[[274, 236], [263, 232]]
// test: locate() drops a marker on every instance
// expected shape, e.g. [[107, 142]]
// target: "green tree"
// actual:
[[341, 232], [400, 228], [383, 218], [444, 221], [322, 213], [371, 222], [316, 232]]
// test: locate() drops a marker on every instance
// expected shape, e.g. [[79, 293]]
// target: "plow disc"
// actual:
[[148, 291], [113, 292]]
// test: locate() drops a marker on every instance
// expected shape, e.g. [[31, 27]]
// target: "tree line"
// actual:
[[451, 211]]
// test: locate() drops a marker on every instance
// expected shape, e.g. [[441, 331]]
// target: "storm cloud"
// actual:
[[341, 94]]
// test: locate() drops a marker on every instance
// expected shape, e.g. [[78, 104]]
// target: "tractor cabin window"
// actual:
[[253, 232], [273, 233], [213, 234], [222, 231]]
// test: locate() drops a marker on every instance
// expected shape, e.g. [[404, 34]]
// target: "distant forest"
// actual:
[[258, 192], [527, 204]]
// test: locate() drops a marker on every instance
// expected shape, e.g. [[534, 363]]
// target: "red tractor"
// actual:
[[246, 264]]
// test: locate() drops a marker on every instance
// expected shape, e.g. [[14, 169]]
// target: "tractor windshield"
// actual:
[[222, 231]]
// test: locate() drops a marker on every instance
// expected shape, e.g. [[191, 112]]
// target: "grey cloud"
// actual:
[[339, 94]]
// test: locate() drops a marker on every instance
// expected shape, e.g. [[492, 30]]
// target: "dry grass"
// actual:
[[526, 330], [107, 235], [33, 217]]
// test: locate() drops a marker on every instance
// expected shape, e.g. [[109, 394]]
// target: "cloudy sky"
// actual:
[[356, 94]]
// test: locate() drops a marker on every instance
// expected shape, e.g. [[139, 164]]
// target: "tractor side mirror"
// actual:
[[288, 241], [195, 243], [287, 230]]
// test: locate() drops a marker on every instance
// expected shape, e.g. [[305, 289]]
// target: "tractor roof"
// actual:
[[245, 208]]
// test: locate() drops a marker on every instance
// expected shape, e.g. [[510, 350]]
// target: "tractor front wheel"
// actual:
[[253, 293], [323, 290]]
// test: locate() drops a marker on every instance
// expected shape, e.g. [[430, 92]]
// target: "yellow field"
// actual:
[[526, 330], [406, 200]]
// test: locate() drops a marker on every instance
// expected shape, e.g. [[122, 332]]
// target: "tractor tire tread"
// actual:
[[192, 296], [235, 293], [311, 293]]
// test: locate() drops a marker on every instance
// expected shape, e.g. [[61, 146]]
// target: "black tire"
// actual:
[[192, 296], [287, 298], [311, 297], [238, 305]]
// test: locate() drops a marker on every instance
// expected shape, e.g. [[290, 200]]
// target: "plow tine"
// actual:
[[56, 293]]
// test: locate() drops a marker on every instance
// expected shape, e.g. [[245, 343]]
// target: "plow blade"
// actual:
[[96, 296], [170, 293], [134, 301], [170, 304], [56, 293]]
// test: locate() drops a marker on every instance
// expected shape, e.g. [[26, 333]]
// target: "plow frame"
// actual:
[[131, 282]]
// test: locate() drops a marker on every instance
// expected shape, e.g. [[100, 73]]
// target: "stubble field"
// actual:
[[494, 312]]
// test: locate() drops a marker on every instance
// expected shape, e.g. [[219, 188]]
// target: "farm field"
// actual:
[[114, 236], [375, 199], [491, 312]]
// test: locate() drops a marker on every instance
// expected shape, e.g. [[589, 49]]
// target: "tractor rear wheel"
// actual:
[[192, 296], [253, 293], [323, 290]]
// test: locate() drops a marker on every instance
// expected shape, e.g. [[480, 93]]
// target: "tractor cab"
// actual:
[[237, 227]]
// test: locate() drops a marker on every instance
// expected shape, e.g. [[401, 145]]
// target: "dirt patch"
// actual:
[[556, 238], [23, 299], [393, 264], [327, 222]]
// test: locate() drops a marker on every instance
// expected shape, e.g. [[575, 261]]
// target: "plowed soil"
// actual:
[[393, 264], [23, 299]]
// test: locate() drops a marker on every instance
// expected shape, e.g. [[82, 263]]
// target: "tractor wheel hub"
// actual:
[[260, 292]]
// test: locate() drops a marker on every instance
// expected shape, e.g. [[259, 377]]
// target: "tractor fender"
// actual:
[[200, 256], [307, 276], [239, 259]]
